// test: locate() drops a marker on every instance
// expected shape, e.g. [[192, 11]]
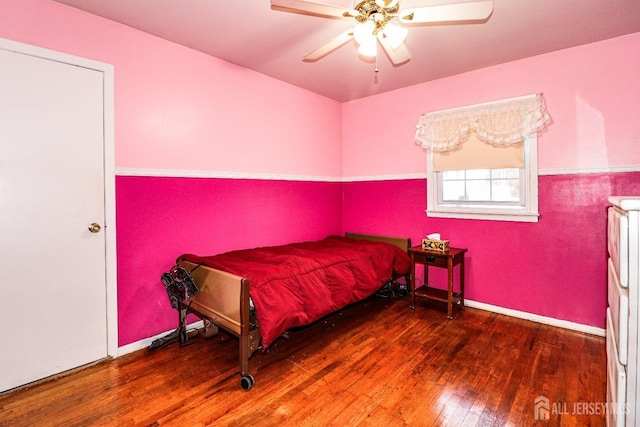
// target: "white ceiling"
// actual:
[[250, 34]]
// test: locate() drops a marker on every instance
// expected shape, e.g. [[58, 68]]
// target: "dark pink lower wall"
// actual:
[[161, 218], [556, 267]]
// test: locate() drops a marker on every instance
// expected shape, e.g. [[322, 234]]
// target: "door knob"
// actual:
[[94, 228]]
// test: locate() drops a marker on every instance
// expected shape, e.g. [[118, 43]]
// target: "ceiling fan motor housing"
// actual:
[[372, 10]]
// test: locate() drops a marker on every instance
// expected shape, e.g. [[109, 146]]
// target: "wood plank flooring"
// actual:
[[375, 363]]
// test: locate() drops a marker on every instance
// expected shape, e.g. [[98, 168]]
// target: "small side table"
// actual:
[[448, 260]]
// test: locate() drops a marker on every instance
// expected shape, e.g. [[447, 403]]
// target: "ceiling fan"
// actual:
[[377, 22]]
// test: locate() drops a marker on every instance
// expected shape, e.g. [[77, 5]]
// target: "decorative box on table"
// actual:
[[435, 245]]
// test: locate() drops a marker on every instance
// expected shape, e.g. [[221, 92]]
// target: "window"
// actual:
[[481, 186], [508, 194], [483, 159]]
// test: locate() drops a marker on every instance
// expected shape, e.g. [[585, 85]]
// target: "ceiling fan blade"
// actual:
[[313, 8], [329, 47], [397, 56], [456, 12]]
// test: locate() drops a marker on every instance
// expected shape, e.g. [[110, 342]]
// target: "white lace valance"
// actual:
[[498, 123]]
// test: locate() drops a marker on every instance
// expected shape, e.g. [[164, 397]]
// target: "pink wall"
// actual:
[[592, 94], [161, 218], [554, 268], [179, 109]]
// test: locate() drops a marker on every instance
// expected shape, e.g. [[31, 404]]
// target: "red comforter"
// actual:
[[296, 284]]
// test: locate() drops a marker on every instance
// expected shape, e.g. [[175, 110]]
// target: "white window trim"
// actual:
[[527, 213]]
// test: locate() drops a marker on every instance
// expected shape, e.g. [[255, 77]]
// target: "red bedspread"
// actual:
[[296, 284]]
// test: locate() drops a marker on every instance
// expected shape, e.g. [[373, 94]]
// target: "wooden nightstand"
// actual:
[[448, 260]]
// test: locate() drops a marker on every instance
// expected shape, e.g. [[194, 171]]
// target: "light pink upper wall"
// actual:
[[179, 109], [592, 93]]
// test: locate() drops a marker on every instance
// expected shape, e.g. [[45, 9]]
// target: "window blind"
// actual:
[[475, 154]]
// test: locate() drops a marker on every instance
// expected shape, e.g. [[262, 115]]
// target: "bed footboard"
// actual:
[[223, 299]]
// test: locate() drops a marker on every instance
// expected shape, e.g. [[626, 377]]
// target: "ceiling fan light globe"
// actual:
[[363, 32], [369, 49], [395, 34]]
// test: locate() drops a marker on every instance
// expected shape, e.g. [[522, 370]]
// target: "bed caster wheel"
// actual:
[[247, 381], [210, 329]]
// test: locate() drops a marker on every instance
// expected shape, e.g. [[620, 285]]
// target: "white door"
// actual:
[[52, 268]]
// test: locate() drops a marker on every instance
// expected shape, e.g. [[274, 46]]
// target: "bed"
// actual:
[[259, 294]]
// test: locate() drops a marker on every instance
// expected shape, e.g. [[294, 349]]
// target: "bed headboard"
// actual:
[[401, 242]]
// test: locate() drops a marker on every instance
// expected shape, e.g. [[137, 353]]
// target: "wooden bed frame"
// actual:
[[223, 301]]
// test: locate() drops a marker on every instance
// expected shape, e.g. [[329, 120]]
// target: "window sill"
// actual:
[[494, 216]]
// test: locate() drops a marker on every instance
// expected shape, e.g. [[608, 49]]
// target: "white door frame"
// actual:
[[109, 174]]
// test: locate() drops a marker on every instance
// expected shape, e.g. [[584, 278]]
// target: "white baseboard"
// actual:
[[565, 324], [139, 345]]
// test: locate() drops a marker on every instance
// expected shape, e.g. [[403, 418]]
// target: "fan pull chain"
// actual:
[[376, 69]]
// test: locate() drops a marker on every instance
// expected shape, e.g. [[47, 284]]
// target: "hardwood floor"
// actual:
[[376, 363]]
